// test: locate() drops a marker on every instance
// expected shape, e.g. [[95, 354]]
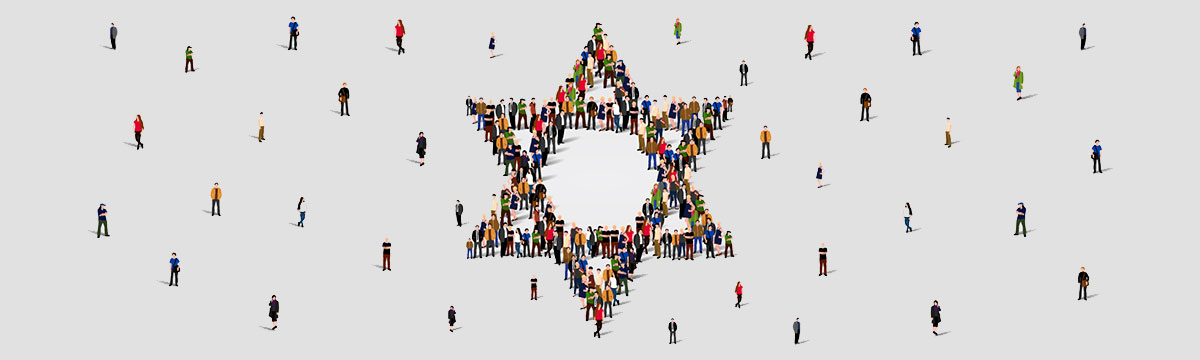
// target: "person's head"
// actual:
[[864, 90], [476, 227], [918, 24], [216, 185], [272, 297], [1018, 68], [693, 98], [420, 133], [301, 199], [1084, 24], [173, 255], [743, 61], [1081, 268], [344, 85], [293, 18], [822, 244], [493, 34], [1021, 205], [101, 206], [935, 302], [809, 28], [189, 47], [1098, 142], [112, 24], [818, 164], [451, 307]]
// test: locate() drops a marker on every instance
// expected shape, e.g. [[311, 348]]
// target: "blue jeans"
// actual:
[[651, 159], [566, 271], [517, 245], [906, 218], [479, 123], [470, 253], [687, 125], [301, 218]]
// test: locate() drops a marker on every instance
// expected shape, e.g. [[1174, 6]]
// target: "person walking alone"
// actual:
[[672, 327], [138, 127], [796, 330], [1018, 82], [492, 46], [458, 211], [765, 137], [1083, 280], [273, 312], [916, 38], [948, 143], [907, 213], [302, 208], [344, 99], [421, 147], [820, 174], [453, 317], [112, 35], [823, 269], [1082, 37], [1021, 221], [935, 315], [215, 194], [174, 279], [678, 31], [865, 101], [738, 290], [293, 35], [533, 287], [387, 255], [808, 36], [744, 70], [102, 216], [188, 63], [261, 128], [1096, 168], [399, 36]]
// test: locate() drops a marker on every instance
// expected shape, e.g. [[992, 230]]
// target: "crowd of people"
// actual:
[[599, 261]]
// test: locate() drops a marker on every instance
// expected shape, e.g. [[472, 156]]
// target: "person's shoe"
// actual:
[[274, 327], [1025, 235], [105, 234], [935, 333]]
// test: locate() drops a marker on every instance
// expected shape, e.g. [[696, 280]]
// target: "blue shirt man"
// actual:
[[293, 25], [1096, 149], [1096, 167], [174, 271], [916, 32], [1020, 227], [646, 105], [293, 33]]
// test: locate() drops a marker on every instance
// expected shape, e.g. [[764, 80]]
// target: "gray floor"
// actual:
[[72, 102]]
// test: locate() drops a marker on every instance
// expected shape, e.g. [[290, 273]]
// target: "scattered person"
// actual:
[[451, 315], [935, 315], [421, 147], [1021, 220], [822, 252], [174, 279], [865, 101], [215, 194], [1096, 168], [492, 45], [533, 287], [808, 36], [112, 34], [796, 329], [102, 214], [1082, 279], [672, 327], [399, 36], [344, 99], [293, 35], [302, 208], [820, 174], [1082, 36], [387, 255], [765, 137], [1018, 82], [738, 290], [743, 69], [948, 143], [458, 211], [916, 38], [189, 62], [138, 127], [273, 312], [261, 128], [678, 31]]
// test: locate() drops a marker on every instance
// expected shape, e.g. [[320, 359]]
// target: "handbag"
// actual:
[[867, 103], [1085, 283], [341, 98]]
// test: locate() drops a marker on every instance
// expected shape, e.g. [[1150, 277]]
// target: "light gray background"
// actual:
[[71, 103]]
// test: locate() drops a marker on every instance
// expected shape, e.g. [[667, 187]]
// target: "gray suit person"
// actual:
[[1082, 36], [796, 329], [458, 210], [112, 35]]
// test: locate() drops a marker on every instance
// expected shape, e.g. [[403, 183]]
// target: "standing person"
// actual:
[[138, 126], [188, 53], [302, 208], [451, 316], [935, 315], [293, 35], [916, 38], [728, 243], [865, 101], [907, 213], [458, 211], [822, 253], [1082, 279], [492, 45], [344, 99], [399, 36], [743, 69], [112, 34], [765, 137], [796, 329], [1021, 220], [738, 290], [678, 30], [273, 312], [948, 143], [102, 215], [672, 327], [387, 255], [820, 174], [599, 321], [421, 147], [1096, 168], [808, 36], [1082, 36], [174, 279], [533, 287], [215, 194], [1018, 82], [261, 128]]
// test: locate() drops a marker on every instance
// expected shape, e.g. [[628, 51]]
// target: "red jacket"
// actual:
[[137, 125], [599, 313], [738, 290], [399, 30], [809, 36]]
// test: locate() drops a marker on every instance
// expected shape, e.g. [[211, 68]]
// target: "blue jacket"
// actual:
[[174, 262], [294, 25]]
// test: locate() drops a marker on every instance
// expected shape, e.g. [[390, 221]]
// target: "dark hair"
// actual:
[[909, 208], [172, 254], [299, 203]]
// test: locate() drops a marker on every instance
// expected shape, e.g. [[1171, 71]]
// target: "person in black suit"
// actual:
[[453, 319], [458, 210], [935, 314], [744, 70], [1082, 279], [274, 312], [672, 327], [865, 100], [421, 143], [344, 98], [470, 106], [796, 329]]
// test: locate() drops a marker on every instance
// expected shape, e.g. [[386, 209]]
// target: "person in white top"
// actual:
[[260, 127], [302, 208], [907, 213], [948, 143]]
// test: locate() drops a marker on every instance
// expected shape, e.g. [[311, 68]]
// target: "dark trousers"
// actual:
[[345, 109], [113, 40], [797, 341], [399, 45], [865, 114], [188, 64], [458, 216], [216, 207], [174, 276], [102, 223], [137, 136], [387, 261], [709, 252], [822, 268], [1082, 292], [1082, 41], [809, 54], [917, 46], [293, 41], [766, 150], [672, 339], [743, 81], [1095, 164]]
